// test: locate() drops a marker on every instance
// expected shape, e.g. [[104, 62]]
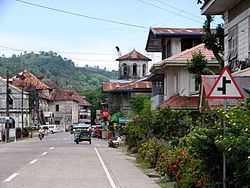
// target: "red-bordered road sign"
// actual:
[[225, 87]]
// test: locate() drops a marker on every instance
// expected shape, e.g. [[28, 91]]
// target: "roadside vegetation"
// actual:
[[187, 148]]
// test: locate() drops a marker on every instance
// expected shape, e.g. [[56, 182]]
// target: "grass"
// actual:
[[165, 184]]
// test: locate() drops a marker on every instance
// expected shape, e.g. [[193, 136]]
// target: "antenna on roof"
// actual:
[[118, 51]]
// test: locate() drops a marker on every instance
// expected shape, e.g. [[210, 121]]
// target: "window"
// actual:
[[144, 70], [125, 69], [81, 116], [10, 101], [57, 107], [85, 117], [232, 47], [134, 70], [176, 84]]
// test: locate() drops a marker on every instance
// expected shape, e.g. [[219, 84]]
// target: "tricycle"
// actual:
[[82, 132]]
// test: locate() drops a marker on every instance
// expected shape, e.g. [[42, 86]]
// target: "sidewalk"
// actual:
[[122, 168]]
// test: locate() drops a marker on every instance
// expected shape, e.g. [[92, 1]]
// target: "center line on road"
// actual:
[[11, 177], [32, 162], [44, 153], [106, 170], [51, 148]]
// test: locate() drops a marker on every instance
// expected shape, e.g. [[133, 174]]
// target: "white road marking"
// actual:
[[106, 170], [32, 162], [2, 149], [44, 153], [51, 148], [11, 177]]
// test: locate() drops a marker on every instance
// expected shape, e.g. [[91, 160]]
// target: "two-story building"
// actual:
[[236, 15], [169, 41], [133, 67], [180, 88], [18, 104], [39, 94]]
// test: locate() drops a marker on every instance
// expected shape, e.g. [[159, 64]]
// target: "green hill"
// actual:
[[57, 69]]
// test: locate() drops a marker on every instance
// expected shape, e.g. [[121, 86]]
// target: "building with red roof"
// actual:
[[68, 106], [132, 71], [180, 89]]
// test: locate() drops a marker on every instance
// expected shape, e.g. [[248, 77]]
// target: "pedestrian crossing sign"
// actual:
[[225, 87]]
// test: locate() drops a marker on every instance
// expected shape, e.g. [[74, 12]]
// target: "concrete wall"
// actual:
[[130, 64], [178, 81], [68, 112], [16, 109], [175, 45]]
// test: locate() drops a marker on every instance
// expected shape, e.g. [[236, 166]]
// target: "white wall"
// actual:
[[130, 64], [176, 45], [186, 82]]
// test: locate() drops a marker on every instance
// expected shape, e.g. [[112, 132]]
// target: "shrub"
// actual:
[[149, 152], [18, 130], [135, 133]]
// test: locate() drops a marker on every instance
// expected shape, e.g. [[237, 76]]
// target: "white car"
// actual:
[[53, 129]]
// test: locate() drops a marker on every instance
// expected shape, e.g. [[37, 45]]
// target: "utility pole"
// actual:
[[22, 112], [7, 108]]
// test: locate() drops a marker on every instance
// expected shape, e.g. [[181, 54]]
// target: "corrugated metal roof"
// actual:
[[154, 41], [133, 56], [178, 32]]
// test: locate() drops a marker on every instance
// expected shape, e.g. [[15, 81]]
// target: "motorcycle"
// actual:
[[40, 136]]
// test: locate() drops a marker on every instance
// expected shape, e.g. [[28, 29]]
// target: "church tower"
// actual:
[[132, 66]]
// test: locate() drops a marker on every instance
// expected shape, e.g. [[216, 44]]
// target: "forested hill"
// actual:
[[57, 69]]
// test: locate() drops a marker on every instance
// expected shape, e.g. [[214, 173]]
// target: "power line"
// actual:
[[82, 15], [62, 52], [156, 6], [162, 2], [85, 53]]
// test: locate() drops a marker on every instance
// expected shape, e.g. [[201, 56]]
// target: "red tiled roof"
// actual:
[[42, 96], [184, 102], [60, 95], [177, 30], [133, 55], [187, 54], [52, 85], [67, 95], [30, 79], [117, 86]]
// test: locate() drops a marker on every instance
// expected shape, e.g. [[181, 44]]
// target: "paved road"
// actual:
[[57, 162]]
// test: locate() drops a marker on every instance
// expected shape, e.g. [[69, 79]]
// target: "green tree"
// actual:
[[140, 104], [198, 66], [214, 39]]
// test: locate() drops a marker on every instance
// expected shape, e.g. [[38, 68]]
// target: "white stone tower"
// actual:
[[132, 66]]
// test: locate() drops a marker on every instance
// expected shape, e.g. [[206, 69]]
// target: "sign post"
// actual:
[[225, 88]]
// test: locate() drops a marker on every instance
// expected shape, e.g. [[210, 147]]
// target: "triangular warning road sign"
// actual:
[[225, 87]]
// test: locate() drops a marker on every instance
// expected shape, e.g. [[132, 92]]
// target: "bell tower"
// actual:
[[132, 66]]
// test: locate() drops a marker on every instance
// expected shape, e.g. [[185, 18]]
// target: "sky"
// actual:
[[88, 31]]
